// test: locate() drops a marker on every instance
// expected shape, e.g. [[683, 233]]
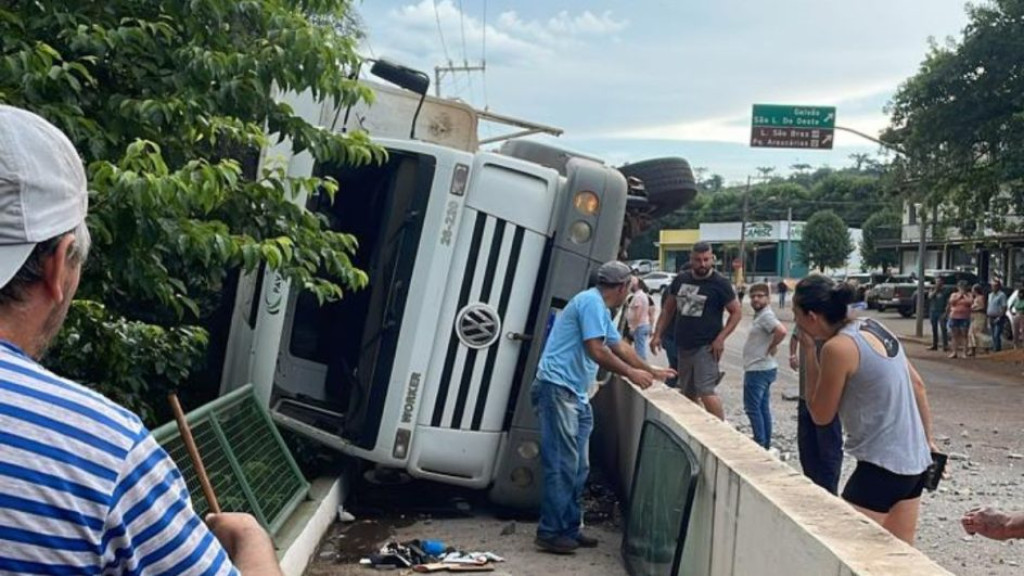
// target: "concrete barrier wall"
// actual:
[[752, 514]]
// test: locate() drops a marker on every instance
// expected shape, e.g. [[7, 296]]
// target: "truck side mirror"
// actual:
[[403, 76]]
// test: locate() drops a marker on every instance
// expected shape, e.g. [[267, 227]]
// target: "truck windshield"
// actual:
[[383, 207]]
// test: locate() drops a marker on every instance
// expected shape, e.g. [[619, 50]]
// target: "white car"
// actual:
[[642, 266], [658, 281]]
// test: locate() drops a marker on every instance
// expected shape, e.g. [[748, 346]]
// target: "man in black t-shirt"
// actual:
[[701, 295]]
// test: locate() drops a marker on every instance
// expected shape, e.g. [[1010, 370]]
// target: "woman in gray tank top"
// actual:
[[863, 375]]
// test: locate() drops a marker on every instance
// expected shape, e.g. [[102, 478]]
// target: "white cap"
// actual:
[[43, 191]]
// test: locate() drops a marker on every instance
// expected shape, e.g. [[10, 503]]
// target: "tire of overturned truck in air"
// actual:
[[669, 183]]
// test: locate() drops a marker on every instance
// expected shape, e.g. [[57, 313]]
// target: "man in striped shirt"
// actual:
[[84, 487]]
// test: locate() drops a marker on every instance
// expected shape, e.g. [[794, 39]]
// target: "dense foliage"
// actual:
[[856, 192], [960, 121], [169, 104], [826, 241], [881, 227]]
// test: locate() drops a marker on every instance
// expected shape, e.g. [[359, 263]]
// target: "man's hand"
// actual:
[[773, 350], [655, 344], [641, 378], [794, 361], [988, 522], [246, 542], [663, 374], [717, 348]]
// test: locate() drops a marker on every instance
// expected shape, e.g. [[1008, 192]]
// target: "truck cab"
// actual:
[[470, 256]]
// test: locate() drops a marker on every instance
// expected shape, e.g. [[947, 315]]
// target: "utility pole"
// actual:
[[789, 242], [741, 275], [440, 71], [921, 250]]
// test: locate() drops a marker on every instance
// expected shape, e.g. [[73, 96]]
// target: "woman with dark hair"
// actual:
[[863, 375]]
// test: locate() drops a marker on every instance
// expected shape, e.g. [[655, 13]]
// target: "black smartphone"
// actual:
[[934, 472]]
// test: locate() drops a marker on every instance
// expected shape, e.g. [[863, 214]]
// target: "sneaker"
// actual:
[[557, 545], [585, 541]]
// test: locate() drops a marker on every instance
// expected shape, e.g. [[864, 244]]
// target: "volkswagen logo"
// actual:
[[478, 325]]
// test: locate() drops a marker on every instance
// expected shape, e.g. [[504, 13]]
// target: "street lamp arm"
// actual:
[[882, 143]]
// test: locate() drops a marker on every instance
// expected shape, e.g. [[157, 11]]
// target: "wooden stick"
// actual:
[[193, 453]]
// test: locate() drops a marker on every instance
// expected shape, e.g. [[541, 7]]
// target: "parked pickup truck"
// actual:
[[900, 292]]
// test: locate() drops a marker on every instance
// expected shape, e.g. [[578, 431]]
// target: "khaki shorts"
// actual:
[[698, 372]]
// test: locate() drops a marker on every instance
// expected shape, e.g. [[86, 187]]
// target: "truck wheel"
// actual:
[[906, 312], [669, 183]]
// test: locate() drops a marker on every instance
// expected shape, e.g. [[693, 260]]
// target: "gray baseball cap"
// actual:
[[43, 191], [613, 272]]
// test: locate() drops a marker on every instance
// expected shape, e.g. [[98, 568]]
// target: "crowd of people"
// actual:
[[859, 393], [976, 319]]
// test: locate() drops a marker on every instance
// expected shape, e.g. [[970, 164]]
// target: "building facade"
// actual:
[[772, 248]]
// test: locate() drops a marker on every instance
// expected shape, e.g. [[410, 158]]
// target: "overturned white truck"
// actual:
[[470, 255]]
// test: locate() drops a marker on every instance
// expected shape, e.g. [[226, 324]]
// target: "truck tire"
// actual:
[[669, 183], [906, 312]]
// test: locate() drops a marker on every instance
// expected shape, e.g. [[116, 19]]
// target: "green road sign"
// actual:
[[781, 116], [781, 126]]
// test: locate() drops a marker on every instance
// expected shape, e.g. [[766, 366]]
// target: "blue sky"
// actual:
[[634, 80]]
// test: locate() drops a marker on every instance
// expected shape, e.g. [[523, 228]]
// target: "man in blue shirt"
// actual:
[[582, 338]]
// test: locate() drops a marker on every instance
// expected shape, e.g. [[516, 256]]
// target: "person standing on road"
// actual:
[[759, 365], [582, 338], [938, 301], [979, 320], [960, 317], [701, 296], [865, 377], [782, 288], [668, 339], [638, 317], [1016, 306], [996, 312], [820, 447], [86, 489]]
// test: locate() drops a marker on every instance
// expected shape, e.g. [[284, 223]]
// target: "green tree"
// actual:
[[169, 104], [826, 241], [960, 119], [880, 226]]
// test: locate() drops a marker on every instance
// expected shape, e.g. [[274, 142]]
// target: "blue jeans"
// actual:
[[756, 403], [782, 299], [996, 328], [640, 337], [821, 449], [939, 325], [566, 422]]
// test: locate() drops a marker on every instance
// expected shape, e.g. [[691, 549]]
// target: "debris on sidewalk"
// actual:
[[430, 556]]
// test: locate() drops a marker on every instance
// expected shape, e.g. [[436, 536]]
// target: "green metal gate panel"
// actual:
[[249, 466]]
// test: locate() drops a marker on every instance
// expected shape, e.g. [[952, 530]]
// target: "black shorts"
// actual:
[[878, 489]]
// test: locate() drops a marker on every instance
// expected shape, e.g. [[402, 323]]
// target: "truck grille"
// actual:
[[475, 338]]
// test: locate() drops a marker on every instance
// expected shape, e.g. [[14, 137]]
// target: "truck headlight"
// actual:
[[528, 450], [580, 232], [586, 202]]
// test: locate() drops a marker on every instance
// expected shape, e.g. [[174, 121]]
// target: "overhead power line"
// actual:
[[440, 32]]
